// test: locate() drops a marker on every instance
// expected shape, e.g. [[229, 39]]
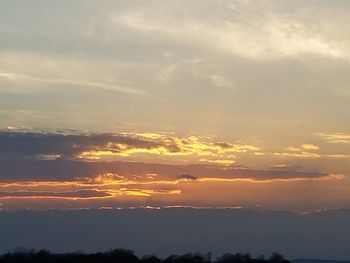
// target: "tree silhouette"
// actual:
[[128, 256]]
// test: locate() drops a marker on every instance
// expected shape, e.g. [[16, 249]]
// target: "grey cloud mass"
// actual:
[[77, 194], [30, 156], [61, 170], [32, 145]]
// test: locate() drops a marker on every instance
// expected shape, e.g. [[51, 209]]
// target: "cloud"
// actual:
[[143, 168], [256, 31], [187, 177], [178, 53], [220, 80], [110, 161], [73, 156], [302, 155], [34, 145], [242, 70], [116, 146], [310, 147], [336, 137], [308, 151], [80, 194], [147, 192], [165, 75], [35, 81], [71, 170]]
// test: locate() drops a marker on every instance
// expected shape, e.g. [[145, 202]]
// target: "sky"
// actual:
[[188, 103]]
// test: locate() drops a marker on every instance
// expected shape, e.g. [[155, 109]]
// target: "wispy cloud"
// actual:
[[33, 80], [256, 32], [336, 137]]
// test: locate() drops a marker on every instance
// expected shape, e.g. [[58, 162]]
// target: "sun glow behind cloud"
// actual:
[[171, 148], [128, 169]]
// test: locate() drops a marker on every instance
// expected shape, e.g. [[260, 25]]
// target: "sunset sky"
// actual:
[[195, 103]]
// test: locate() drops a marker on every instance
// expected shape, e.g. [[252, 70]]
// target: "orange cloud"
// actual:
[[194, 148], [310, 147]]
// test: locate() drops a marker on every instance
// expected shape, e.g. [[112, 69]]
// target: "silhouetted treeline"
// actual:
[[128, 256]]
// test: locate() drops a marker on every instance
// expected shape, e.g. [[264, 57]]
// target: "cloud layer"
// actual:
[[123, 169], [209, 67]]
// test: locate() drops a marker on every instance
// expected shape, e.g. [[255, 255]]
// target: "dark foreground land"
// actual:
[[128, 256], [319, 235]]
